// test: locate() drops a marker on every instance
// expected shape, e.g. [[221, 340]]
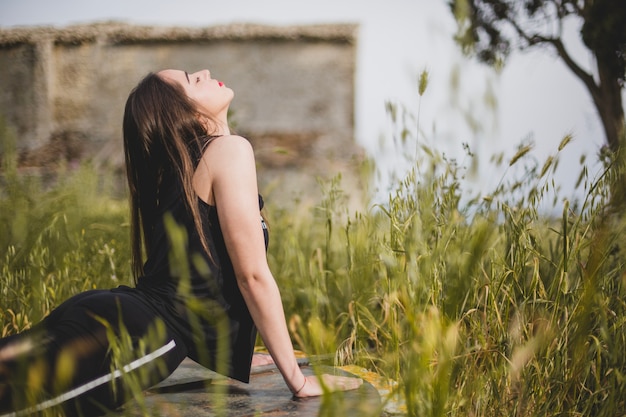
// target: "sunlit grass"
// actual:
[[56, 242], [483, 305]]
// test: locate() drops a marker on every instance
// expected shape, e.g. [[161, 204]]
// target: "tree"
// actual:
[[491, 29]]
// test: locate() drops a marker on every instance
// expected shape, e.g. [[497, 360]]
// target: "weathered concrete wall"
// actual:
[[63, 90]]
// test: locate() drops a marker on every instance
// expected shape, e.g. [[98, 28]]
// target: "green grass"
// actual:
[[56, 242], [475, 305]]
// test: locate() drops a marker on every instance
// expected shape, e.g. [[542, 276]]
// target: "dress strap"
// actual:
[[199, 148]]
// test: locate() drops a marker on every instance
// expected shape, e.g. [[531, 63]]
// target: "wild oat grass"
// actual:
[[475, 305], [57, 240]]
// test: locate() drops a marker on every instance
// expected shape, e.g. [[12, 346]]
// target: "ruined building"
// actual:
[[63, 90]]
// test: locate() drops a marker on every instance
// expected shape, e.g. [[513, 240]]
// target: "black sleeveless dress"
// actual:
[[197, 295]]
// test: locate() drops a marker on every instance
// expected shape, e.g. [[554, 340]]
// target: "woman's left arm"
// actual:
[[233, 184], [234, 190]]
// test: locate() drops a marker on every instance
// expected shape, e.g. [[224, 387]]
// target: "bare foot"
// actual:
[[15, 349], [262, 359]]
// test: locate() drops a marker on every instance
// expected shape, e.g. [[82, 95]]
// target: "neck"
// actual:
[[222, 123], [223, 129]]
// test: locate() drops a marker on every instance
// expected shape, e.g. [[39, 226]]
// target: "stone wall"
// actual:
[[63, 90]]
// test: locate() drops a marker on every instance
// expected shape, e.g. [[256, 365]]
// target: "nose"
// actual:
[[206, 73]]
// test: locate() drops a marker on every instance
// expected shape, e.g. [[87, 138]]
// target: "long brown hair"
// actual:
[[161, 126]]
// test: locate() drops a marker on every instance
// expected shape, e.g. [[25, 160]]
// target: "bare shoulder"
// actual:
[[228, 144], [227, 152], [225, 155]]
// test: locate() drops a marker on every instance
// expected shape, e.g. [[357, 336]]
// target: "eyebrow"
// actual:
[[187, 75]]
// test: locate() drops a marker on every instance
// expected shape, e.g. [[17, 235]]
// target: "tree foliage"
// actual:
[[491, 29]]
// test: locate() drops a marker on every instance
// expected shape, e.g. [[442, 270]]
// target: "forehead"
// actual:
[[173, 75]]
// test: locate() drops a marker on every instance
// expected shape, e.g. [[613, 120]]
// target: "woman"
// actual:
[[204, 288]]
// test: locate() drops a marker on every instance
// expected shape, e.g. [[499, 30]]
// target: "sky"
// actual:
[[533, 98]]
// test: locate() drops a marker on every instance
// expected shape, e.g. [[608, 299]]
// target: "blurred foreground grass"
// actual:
[[473, 306]]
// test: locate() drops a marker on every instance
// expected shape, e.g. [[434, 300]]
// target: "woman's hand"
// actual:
[[314, 386]]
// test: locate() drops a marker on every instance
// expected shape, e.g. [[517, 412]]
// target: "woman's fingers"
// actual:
[[341, 383]]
